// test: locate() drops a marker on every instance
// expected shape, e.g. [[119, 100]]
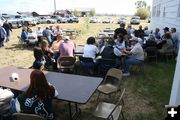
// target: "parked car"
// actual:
[[94, 20], [72, 19], [29, 20], [2, 20], [135, 20], [15, 21], [122, 20], [107, 20], [47, 19]]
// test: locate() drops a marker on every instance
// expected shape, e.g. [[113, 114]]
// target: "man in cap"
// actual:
[[67, 47], [136, 56]]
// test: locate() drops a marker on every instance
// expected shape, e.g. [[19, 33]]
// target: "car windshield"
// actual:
[[135, 17]]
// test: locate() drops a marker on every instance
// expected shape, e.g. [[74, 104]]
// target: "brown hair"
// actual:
[[39, 86]]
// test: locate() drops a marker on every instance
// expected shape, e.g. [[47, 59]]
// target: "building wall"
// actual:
[[165, 13]]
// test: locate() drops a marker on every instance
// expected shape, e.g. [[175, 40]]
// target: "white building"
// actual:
[[166, 13]]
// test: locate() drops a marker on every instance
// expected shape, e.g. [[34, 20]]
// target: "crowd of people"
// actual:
[[51, 44]]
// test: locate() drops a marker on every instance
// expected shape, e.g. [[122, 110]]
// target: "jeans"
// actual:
[[128, 62], [8, 115], [1, 42]]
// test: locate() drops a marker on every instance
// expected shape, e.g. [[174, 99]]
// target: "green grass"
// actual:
[[154, 87]]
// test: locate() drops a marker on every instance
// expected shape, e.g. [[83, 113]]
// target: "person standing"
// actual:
[[2, 36], [121, 30], [7, 28]]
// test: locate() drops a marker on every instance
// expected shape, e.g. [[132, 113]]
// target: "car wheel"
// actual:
[[48, 22], [58, 21]]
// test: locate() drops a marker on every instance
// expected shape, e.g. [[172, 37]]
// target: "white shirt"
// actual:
[[56, 32], [39, 32], [90, 51], [32, 37], [137, 52]]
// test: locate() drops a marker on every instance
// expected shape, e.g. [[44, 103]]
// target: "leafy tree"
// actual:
[[92, 13], [77, 13], [142, 13]]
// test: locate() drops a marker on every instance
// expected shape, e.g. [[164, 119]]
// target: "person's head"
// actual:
[[91, 40], [133, 40], [30, 30], [151, 37], [24, 29], [51, 27], [44, 44], [66, 38], [168, 35], [57, 27], [122, 25], [157, 30], [39, 28], [120, 37], [173, 30], [140, 27], [166, 29], [59, 37], [38, 53], [110, 42], [39, 85], [129, 26]]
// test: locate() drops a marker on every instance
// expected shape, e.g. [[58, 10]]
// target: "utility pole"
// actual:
[[54, 5]]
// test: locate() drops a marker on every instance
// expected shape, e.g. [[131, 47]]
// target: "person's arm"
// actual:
[[117, 52]]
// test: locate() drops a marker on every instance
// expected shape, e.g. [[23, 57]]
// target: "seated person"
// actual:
[[67, 47], [151, 42], [32, 37], [48, 53], [136, 56], [55, 45], [24, 35], [38, 97], [166, 44], [39, 59], [109, 51], [119, 42], [101, 42], [90, 50]]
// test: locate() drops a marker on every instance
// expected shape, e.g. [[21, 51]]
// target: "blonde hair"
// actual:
[[44, 45]]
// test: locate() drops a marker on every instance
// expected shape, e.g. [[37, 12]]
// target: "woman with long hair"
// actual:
[[38, 97]]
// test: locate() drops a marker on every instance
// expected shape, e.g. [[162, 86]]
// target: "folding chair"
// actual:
[[20, 42], [66, 63], [25, 116], [151, 53], [111, 83], [109, 111]]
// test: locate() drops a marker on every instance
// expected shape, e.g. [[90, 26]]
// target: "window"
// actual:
[[178, 10], [164, 12]]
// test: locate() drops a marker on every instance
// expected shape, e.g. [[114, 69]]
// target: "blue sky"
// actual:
[[45, 6]]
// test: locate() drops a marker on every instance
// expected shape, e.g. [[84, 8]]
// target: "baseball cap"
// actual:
[[66, 38]]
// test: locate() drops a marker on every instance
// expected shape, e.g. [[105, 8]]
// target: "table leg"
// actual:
[[70, 112]]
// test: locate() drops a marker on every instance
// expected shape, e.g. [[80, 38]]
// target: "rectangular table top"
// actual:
[[73, 88]]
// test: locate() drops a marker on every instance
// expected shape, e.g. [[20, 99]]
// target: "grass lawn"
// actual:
[[146, 95]]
